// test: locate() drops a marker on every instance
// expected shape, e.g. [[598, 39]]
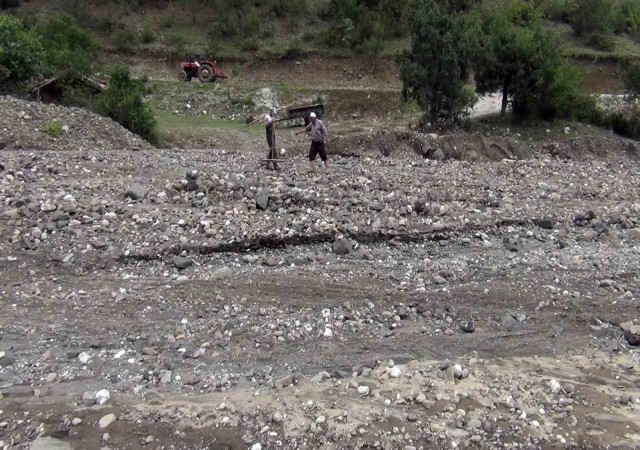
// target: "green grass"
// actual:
[[174, 128], [170, 122]]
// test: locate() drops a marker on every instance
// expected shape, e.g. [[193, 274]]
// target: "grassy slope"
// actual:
[[277, 38]]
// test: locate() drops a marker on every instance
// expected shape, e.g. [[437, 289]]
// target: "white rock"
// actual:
[[256, 446], [102, 397], [84, 358], [554, 386], [328, 332], [394, 372], [363, 390]]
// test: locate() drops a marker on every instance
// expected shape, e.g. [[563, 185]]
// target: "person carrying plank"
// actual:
[[270, 128], [318, 133]]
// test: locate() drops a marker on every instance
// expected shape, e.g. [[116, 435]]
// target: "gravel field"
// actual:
[[454, 293]]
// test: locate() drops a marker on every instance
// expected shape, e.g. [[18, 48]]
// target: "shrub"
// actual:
[[251, 24], [560, 10], [20, 50], [53, 129], [67, 48], [178, 42], [250, 45], [168, 21], [626, 16], [123, 102], [147, 33], [125, 38], [80, 10], [632, 81], [294, 50], [340, 33], [593, 21], [104, 24]]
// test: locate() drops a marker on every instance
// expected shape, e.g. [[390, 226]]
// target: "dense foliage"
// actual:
[[123, 102], [435, 71], [507, 48], [67, 48], [522, 59], [597, 21], [20, 51]]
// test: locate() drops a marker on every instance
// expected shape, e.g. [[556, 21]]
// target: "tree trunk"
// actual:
[[505, 98]]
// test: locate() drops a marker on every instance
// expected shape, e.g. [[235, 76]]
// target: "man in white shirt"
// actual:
[[318, 133]]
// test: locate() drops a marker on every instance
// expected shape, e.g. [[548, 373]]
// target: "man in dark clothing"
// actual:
[[318, 134]]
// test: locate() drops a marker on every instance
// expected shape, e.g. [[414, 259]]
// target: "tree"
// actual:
[[375, 44], [67, 48], [20, 51], [522, 60], [435, 70], [123, 102]]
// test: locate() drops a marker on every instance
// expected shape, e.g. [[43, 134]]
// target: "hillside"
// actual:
[[243, 30]]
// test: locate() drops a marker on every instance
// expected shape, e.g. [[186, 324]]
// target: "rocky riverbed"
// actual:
[[193, 299]]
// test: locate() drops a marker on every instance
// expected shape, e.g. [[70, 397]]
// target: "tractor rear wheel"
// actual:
[[182, 76], [205, 73]]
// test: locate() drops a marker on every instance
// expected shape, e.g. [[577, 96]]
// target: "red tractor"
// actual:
[[205, 71]]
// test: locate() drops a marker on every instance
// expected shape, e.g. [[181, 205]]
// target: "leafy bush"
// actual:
[[593, 21], [251, 24], [123, 102], [214, 38], [178, 42], [147, 33], [20, 50], [80, 10], [250, 45], [53, 129], [294, 50], [340, 33], [125, 38], [560, 10], [632, 81], [375, 44], [67, 48], [626, 16], [104, 24], [168, 21]]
